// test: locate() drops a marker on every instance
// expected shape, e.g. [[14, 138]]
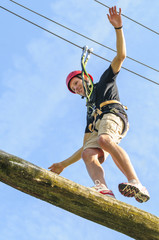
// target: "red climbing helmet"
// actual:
[[72, 75]]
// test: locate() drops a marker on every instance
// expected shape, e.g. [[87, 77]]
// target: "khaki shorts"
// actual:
[[111, 125]]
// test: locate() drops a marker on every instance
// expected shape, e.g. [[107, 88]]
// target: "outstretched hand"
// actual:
[[56, 168], [115, 17]]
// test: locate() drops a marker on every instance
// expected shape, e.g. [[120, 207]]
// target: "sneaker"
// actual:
[[101, 188], [134, 190]]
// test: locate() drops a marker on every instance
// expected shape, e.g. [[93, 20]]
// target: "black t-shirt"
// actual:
[[106, 89]]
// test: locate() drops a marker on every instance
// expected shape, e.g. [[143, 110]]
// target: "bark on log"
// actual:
[[77, 199]]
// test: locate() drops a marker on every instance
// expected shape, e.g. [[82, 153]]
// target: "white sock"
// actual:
[[135, 182]]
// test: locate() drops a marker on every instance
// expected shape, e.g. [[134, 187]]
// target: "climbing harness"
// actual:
[[106, 106], [103, 109]]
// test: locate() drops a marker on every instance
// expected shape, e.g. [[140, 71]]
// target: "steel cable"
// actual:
[[142, 25], [74, 43], [90, 39]]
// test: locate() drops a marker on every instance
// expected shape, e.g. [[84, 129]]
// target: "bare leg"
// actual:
[[119, 156], [94, 168]]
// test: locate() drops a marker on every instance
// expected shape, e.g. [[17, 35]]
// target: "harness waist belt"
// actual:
[[111, 102], [99, 112]]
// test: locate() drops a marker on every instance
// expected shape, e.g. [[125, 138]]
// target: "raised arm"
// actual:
[[116, 20]]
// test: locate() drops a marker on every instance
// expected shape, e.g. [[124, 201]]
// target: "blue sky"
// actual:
[[43, 123]]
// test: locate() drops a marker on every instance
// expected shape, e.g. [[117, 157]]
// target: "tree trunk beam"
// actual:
[[77, 199]]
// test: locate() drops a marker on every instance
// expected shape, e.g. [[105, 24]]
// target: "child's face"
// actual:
[[77, 86]]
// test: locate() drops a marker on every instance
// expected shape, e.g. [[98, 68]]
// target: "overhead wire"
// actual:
[[142, 25], [25, 19], [88, 38], [76, 45]]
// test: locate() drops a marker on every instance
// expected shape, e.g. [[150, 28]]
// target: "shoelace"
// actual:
[[98, 186], [97, 183]]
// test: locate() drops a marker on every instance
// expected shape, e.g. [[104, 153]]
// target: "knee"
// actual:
[[105, 142], [86, 155], [93, 155], [90, 155]]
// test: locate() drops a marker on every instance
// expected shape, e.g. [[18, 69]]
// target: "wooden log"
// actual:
[[77, 199]]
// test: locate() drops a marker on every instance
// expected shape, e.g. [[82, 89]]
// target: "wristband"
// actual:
[[118, 27]]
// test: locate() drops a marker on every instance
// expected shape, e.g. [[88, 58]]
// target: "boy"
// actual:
[[105, 131]]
